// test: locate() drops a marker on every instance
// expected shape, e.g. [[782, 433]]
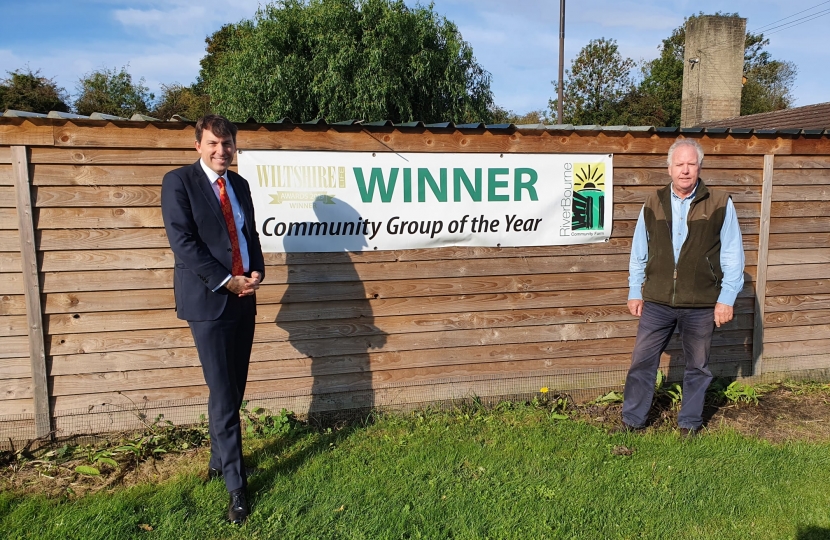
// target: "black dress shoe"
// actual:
[[238, 507]]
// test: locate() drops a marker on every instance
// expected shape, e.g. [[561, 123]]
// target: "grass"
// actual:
[[511, 473]]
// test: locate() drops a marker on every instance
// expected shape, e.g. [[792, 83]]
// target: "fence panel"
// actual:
[[349, 330]]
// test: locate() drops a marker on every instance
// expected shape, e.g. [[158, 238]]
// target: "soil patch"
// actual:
[[781, 415], [787, 412], [62, 480]]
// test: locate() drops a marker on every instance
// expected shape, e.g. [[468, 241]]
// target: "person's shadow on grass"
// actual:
[[330, 323], [811, 532]]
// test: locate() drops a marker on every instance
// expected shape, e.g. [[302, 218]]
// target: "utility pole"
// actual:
[[559, 107]]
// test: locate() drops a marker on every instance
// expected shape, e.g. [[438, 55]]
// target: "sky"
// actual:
[[517, 41]]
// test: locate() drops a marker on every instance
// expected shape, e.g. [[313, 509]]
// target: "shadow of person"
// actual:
[[325, 312], [811, 532]]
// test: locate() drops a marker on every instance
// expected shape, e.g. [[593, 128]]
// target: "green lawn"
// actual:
[[513, 473]]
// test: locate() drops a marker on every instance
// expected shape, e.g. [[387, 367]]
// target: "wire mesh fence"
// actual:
[[487, 390]]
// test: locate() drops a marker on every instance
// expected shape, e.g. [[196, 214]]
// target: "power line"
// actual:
[[762, 28], [794, 23], [717, 46]]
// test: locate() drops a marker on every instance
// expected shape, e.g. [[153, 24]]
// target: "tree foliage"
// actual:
[[660, 91], [345, 59], [500, 115], [28, 91], [769, 82], [186, 101], [595, 85], [112, 92]]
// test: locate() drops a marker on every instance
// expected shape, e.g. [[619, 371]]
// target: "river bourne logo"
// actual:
[[588, 197], [301, 186]]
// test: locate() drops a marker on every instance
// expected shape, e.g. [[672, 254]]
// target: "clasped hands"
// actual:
[[723, 313], [244, 286]]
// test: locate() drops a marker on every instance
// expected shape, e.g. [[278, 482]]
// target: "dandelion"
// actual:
[[544, 390]]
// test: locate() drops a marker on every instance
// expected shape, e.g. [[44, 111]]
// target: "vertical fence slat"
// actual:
[[761, 277], [34, 314]]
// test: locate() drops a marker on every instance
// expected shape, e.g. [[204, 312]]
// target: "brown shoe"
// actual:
[[688, 433], [625, 428]]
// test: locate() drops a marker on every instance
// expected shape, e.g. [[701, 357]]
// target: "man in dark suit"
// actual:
[[209, 218]]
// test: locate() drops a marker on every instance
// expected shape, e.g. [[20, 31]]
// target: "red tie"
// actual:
[[227, 211]]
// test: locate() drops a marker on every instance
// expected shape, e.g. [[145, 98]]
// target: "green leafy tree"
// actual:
[[345, 59], [595, 85], [660, 92], [112, 92], [769, 82], [28, 91], [500, 115], [186, 101], [640, 108], [218, 44]]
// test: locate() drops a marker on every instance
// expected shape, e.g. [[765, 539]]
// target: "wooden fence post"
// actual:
[[31, 282], [761, 276]]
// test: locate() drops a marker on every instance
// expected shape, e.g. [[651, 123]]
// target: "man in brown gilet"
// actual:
[[686, 270]]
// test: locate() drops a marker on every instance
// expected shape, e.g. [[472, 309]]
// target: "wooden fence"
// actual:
[[86, 303]]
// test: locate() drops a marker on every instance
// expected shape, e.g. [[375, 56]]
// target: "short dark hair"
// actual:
[[216, 124]]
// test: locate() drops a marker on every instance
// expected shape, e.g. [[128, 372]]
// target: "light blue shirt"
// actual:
[[731, 251], [238, 216]]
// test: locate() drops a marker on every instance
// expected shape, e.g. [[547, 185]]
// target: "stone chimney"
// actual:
[[713, 69]]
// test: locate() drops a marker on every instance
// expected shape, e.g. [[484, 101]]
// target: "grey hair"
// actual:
[[686, 142]]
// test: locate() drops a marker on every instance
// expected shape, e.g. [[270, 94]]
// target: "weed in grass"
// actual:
[[608, 399], [721, 391], [161, 436], [110, 461], [671, 393], [801, 388], [559, 409], [737, 392], [557, 404], [97, 458], [260, 422]]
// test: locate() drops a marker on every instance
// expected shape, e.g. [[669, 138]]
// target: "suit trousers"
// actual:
[[224, 347], [657, 323]]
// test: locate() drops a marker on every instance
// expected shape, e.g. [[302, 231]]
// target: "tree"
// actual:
[[345, 59], [596, 84], [769, 82], [112, 92], [186, 101], [660, 92], [28, 91], [499, 115]]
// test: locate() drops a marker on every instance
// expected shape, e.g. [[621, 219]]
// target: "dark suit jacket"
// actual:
[[198, 236]]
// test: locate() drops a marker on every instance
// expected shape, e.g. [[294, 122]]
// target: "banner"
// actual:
[[356, 201]]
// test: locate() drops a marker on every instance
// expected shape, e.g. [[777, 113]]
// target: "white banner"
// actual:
[[356, 201]]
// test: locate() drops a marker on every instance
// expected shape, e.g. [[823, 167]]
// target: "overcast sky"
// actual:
[[517, 41]]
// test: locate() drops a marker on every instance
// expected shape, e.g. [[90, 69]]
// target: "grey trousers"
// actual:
[[657, 323]]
